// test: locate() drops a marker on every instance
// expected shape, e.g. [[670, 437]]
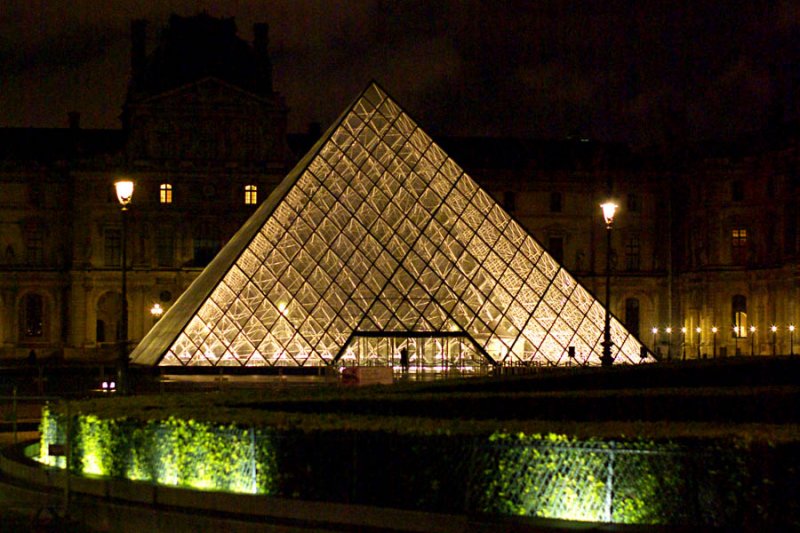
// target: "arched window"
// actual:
[[739, 315], [250, 194], [32, 317], [632, 315], [165, 193], [100, 332]]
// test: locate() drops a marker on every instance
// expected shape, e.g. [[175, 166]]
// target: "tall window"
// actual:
[[36, 195], [790, 229], [34, 246], [509, 201], [632, 253], [633, 203], [250, 194], [206, 244], [32, 323], [165, 193], [739, 315], [556, 202], [556, 248], [112, 248], [739, 245], [737, 191], [165, 247], [632, 315]]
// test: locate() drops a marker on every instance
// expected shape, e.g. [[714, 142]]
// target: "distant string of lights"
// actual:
[[738, 332]]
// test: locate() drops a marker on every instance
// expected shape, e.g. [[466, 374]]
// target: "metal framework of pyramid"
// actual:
[[375, 242]]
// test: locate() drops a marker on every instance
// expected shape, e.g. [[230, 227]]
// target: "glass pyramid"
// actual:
[[376, 242]]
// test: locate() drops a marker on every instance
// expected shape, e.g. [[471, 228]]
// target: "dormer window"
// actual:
[[556, 202], [250, 194], [737, 191], [165, 193]]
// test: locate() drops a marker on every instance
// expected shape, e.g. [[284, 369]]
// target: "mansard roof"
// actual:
[[197, 47]]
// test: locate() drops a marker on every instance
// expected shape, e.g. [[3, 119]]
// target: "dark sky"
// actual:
[[611, 70]]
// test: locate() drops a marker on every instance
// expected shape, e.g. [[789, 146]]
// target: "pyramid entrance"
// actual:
[[429, 352], [378, 240]]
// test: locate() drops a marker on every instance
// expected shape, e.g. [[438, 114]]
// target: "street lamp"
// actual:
[[609, 209], [714, 330], [752, 340], [697, 330], [669, 346], [774, 330], [156, 311], [791, 340], [124, 188], [683, 342]]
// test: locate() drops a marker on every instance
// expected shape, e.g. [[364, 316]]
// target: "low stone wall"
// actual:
[[98, 500]]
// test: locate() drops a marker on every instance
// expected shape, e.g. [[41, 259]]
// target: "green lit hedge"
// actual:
[[427, 467], [631, 482], [174, 451]]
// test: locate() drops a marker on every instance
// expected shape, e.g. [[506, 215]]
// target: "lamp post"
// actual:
[[714, 330], [774, 330], [752, 340], [791, 340], [669, 346], [609, 208], [697, 330], [124, 188], [683, 342]]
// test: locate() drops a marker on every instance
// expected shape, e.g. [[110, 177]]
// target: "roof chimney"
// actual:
[[261, 45], [138, 46]]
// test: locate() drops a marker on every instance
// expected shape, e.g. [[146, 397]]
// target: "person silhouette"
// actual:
[[404, 359]]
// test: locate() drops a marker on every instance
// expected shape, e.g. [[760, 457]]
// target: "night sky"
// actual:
[[638, 72]]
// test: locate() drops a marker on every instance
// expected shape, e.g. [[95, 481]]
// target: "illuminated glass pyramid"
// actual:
[[376, 242]]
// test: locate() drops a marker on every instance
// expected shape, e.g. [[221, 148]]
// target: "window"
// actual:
[[32, 323], [633, 203], [35, 195], [206, 244], [165, 193], [509, 201], [34, 246], [632, 253], [112, 247], [790, 229], [556, 202], [250, 194], [739, 315], [100, 331], [737, 191], [556, 248], [165, 247], [632, 315], [739, 245]]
